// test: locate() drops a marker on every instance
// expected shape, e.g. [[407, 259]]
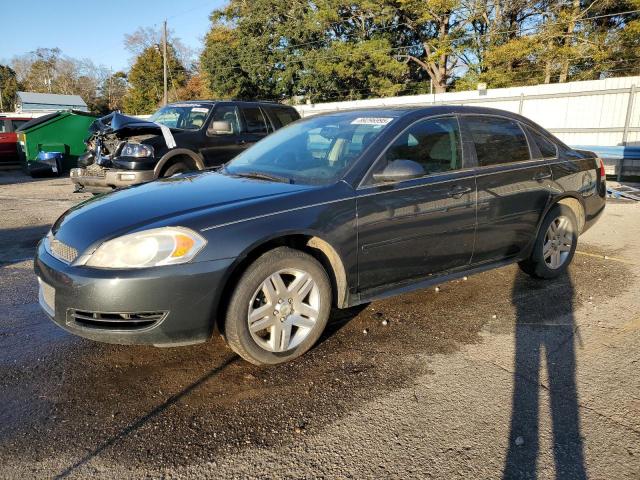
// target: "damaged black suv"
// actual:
[[179, 137]]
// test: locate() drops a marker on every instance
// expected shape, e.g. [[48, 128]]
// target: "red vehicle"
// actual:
[[9, 138]]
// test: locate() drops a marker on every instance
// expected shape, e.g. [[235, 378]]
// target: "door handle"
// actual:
[[458, 191], [241, 142], [541, 176]]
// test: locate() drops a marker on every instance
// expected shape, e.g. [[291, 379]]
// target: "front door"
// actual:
[[513, 189], [221, 147], [422, 226]]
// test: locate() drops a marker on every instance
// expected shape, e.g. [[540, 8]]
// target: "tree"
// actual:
[[279, 49], [47, 70], [146, 80], [111, 93], [8, 88]]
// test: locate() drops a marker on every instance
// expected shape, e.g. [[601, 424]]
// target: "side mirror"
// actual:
[[399, 170], [221, 127]]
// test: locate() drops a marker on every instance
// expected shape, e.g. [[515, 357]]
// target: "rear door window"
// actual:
[[497, 140], [4, 126], [546, 147], [254, 120]]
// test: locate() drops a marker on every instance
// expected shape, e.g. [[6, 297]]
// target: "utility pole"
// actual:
[[164, 60], [1, 105]]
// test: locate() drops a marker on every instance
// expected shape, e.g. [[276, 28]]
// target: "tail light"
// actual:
[[600, 165]]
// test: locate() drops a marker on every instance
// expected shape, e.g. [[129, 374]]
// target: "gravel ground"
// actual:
[[494, 376]]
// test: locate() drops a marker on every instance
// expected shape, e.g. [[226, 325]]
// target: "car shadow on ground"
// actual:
[[546, 331], [12, 176], [19, 244]]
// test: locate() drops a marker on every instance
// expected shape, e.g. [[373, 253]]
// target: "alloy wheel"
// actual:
[[283, 310], [557, 242]]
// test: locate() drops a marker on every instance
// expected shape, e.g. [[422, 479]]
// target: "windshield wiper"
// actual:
[[264, 176]]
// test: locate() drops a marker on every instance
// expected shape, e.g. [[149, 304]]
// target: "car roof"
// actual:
[[402, 111], [213, 102]]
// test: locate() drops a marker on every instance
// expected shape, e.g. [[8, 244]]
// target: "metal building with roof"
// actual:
[[30, 102]]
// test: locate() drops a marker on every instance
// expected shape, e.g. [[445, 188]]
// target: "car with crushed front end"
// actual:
[[178, 138], [332, 211]]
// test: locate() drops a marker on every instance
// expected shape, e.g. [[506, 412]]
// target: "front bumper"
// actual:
[[108, 179], [184, 297]]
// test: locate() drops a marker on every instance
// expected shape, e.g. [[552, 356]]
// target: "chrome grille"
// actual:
[[94, 170], [62, 251]]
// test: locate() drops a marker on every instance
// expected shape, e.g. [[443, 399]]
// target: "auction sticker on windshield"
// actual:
[[371, 121]]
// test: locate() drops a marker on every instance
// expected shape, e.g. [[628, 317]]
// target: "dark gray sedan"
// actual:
[[333, 210]]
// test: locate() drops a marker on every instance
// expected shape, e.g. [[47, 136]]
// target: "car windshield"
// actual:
[[317, 150], [187, 116]]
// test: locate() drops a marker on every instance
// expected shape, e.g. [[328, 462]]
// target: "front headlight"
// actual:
[[137, 150], [150, 248]]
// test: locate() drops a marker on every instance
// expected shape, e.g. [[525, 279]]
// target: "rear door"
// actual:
[[513, 187], [422, 226], [221, 147], [256, 125]]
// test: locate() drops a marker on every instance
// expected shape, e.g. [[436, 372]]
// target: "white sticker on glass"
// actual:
[[371, 121]]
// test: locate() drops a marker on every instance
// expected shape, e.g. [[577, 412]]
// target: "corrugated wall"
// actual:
[[580, 113]]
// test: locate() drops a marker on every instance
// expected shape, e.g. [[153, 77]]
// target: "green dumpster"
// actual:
[[61, 133]]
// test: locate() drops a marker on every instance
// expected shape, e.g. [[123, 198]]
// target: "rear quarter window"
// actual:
[[285, 116], [497, 140]]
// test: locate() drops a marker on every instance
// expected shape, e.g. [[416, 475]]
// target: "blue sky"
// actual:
[[95, 30]]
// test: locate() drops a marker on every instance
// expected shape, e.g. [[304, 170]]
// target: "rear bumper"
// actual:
[[184, 299], [111, 179]]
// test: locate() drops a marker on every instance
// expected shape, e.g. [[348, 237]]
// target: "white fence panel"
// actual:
[[593, 112]]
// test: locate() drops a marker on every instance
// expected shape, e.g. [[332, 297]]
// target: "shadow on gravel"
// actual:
[[12, 176], [546, 328], [143, 420], [70, 406], [19, 244]]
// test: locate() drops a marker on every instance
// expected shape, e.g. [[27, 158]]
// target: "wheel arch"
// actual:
[[574, 202], [174, 155], [577, 207], [310, 243]]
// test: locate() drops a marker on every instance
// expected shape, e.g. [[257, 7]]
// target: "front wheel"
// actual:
[[175, 169], [555, 245], [279, 308]]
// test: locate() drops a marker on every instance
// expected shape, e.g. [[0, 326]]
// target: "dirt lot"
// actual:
[[494, 376]]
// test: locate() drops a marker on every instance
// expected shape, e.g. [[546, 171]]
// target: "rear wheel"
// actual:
[[555, 245], [279, 308]]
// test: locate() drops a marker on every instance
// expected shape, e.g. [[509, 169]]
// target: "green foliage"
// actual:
[[339, 49], [146, 80], [9, 87]]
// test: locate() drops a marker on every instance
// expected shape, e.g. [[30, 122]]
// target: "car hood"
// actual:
[[125, 126], [195, 200]]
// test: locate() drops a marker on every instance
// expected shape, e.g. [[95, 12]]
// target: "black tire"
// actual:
[[178, 167], [236, 327], [539, 267]]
